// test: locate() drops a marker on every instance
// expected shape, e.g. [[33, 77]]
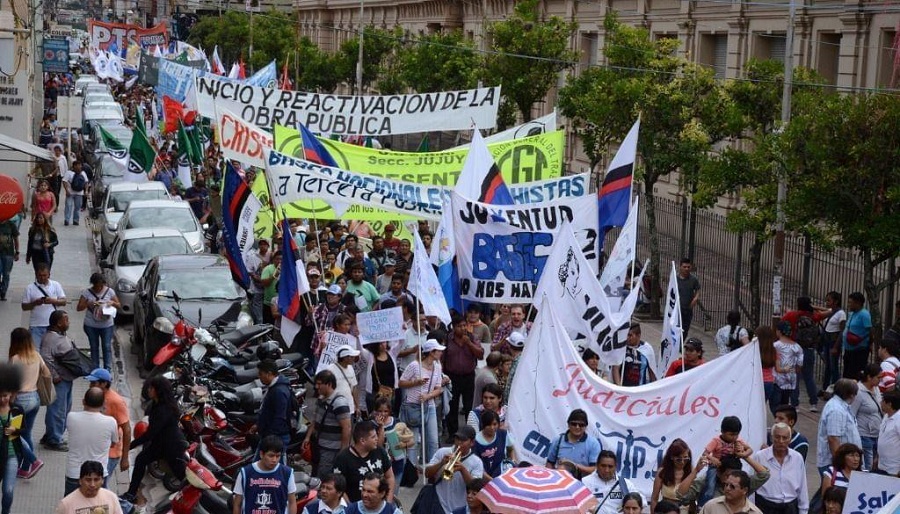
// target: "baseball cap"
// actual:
[[335, 289], [516, 340], [390, 262], [99, 375], [346, 351], [694, 344], [465, 432], [432, 345], [315, 272]]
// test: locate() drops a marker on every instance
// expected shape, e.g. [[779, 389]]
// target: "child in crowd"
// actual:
[[728, 443]]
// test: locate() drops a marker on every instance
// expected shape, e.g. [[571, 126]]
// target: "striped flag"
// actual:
[[292, 283], [614, 195], [239, 209], [480, 178]]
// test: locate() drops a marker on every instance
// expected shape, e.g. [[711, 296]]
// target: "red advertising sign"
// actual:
[[104, 35], [11, 197]]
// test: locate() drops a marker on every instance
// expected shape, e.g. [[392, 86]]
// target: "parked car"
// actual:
[[106, 172], [101, 111], [115, 202], [164, 213], [95, 97], [82, 82], [129, 255], [204, 286], [96, 87], [94, 148]]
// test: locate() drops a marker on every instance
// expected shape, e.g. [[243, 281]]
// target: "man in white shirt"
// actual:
[[42, 297], [76, 183], [91, 434], [608, 488], [786, 490], [888, 460]]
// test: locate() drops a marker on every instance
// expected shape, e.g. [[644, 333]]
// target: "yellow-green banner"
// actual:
[[527, 159]]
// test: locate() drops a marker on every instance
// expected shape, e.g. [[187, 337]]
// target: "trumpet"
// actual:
[[447, 474], [329, 278]]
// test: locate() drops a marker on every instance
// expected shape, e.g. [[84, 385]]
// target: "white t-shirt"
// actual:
[[91, 434], [346, 381], [69, 177], [452, 493], [63, 164], [722, 337], [40, 315], [254, 265], [601, 489], [833, 325]]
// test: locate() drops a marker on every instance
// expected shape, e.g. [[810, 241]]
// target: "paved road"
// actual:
[[75, 260]]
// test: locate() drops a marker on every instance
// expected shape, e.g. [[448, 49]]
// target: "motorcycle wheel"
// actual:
[[156, 471], [172, 484]]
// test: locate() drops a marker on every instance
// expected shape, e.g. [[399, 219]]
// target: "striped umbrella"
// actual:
[[536, 490]]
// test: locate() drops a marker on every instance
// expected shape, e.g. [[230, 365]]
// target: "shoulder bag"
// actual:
[[76, 362], [46, 390]]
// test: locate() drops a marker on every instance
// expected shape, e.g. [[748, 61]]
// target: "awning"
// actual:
[[21, 146]]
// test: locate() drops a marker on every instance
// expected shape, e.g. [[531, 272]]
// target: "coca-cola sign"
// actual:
[[11, 197]]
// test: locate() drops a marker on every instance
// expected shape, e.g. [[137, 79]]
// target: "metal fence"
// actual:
[[722, 263]]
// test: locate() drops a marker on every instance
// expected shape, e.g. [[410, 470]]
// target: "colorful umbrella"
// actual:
[[536, 490]]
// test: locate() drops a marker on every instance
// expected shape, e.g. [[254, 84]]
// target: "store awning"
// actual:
[[28, 148]]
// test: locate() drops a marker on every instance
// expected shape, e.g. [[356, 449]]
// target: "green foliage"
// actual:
[[440, 62], [377, 45], [317, 68], [273, 37], [530, 54]]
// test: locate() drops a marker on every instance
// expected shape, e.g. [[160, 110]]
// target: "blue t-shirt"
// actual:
[[860, 324], [584, 452]]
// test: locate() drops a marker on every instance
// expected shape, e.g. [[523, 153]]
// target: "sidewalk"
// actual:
[[73, 264]]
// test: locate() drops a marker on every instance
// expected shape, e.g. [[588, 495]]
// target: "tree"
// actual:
[[529, 55], [683, 110], [377, 45], [440, 62], [846, 150], [317, 70], [273, 36]]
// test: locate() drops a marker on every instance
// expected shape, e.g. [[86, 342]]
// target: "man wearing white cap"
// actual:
[[516, 343], [345, 375], [422, 384]]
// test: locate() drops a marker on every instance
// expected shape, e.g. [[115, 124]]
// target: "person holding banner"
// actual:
[[422, 382], [637, 367]]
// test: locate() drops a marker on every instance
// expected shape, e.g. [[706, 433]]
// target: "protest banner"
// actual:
[[380, 325], [534, 127], [381, 115], [117, 35], [333, 341], [502, 249], [241, 141], [869, 492], [636, 423], [296, 179]]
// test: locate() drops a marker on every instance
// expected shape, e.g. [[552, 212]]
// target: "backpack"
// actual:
[[78, 182], [734, 338], [808, 335]]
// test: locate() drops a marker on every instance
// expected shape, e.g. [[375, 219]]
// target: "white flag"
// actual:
[[570, 285], [114, 68], [615, 272], [423, 283], [101, 65], [672, 337], [235, 71]]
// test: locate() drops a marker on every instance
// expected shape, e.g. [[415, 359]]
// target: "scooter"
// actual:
[[198, 480]]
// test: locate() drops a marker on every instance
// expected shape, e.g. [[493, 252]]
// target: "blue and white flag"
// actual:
[[423, 283]]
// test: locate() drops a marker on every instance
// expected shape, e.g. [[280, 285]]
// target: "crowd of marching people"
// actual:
[[433, 404]]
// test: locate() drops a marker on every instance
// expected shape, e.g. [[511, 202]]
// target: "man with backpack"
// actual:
[[806, 331], [76, 182], [275, 412]]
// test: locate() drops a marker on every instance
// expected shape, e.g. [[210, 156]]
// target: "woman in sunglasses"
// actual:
[[675, 466]]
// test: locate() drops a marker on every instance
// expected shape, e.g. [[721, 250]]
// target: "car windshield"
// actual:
[[119, 200], [136, 252], [210, 283], [150, 217]]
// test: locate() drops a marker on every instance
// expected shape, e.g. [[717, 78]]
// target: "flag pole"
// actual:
[[422, 408]]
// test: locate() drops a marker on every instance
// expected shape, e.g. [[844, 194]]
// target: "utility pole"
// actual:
[[778, 275], [359, 58]]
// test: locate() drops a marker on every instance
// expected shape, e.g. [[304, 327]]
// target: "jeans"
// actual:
[[808, 376], [73, 207], [96, 336], [6, 265], [855, 362], [786, 396], [9, 482], [398, 467], [709, 490], [55, 418], [111, 465], [687, 316], [72, 485], [832, 362], [772, 395], [464, 387], [430, 430], [256, 309], [30, 403], [869, 445], [37, 334]]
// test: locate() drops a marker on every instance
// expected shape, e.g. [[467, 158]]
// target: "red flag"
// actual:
[[242, 73], [286, 82], [173, 112]]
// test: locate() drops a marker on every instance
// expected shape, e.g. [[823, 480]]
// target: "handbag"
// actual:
[[76, 362], [46, 390], [383, 391]]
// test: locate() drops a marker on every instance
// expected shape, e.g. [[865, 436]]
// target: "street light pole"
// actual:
[[778, 274], [359, 59]]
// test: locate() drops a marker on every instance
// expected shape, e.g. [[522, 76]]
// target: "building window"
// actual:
[[590, 49], [829, 55], [889, 59], [770, 46], [713, 52]]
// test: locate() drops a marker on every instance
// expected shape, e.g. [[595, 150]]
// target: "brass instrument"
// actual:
[[329, 278], [447, 474]]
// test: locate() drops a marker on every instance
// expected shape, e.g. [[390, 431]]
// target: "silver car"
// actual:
[[103, 111], [118, 196], [129, 255], [164, 213]]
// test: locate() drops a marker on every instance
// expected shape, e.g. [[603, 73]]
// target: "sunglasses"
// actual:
[[577, 424]]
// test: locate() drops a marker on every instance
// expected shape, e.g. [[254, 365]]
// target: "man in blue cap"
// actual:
[[114, 407]]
